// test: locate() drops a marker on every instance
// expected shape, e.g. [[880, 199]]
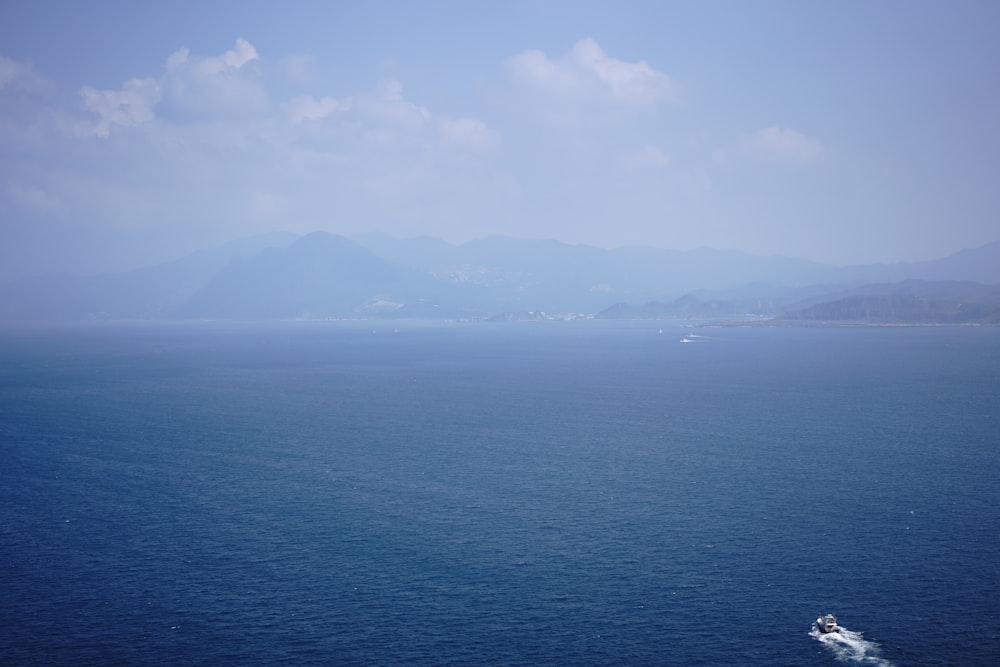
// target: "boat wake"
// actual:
[[851, 647]]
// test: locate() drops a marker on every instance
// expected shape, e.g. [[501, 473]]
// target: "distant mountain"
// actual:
[[323, 275], [554, 276], [981, 265], [910, 302], [319, 275], [153, 292], [751, 300], [545, 274], [689, 306]]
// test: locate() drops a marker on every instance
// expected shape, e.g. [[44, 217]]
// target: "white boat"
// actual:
[[827, 624]]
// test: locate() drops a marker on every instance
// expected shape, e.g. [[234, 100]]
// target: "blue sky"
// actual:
[[842, 132]]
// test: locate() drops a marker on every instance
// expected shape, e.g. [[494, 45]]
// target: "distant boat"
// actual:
[[827, 624], [686, 340]]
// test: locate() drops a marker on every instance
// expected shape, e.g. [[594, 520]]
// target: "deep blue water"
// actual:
[[578, 493]]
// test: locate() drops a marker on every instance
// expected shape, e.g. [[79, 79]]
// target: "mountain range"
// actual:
[[322, 275]]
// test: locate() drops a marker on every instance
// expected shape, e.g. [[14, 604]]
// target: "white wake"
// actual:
[[851, 647]]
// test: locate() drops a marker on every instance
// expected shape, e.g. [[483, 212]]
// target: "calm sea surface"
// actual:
[[561, 493]]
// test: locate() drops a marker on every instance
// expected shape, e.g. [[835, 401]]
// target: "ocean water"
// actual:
[[556, 493]]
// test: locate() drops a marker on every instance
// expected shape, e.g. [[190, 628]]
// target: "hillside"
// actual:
[[318, 276], [151, 292], [905, 302], [911, 302], [323, 275]]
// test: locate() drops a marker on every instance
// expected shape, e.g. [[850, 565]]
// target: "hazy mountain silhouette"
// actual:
[[909, 301], [319, 275], [981, 265], [550, 275], [323, 275], [152, 292]]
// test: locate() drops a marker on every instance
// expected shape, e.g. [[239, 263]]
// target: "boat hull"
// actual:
[[827, 624]]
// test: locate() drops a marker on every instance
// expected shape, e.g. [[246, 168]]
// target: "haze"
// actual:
[[132, 133]]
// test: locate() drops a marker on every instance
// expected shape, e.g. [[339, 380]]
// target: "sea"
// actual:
[[584, 492]]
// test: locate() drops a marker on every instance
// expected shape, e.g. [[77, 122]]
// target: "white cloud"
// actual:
[[20, 76], [128, 107], [306, 107], [636, 84], [214, 65], [241, 55], [25, 108], [468, 133], [223, 86], [393, 145], [587, 85], [201, 140], [647, 157], [387, 106], [298, 68], [386, 120], [263, 205], [209, 88], [782, 145]]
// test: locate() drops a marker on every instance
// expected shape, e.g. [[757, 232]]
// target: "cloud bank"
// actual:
[[205, 149], [203, 141], [587, 86], [782, 146]]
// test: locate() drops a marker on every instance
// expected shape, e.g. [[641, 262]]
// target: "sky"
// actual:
[[840, 131]]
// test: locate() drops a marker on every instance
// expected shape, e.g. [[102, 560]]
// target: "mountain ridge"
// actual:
[[322, 275]]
